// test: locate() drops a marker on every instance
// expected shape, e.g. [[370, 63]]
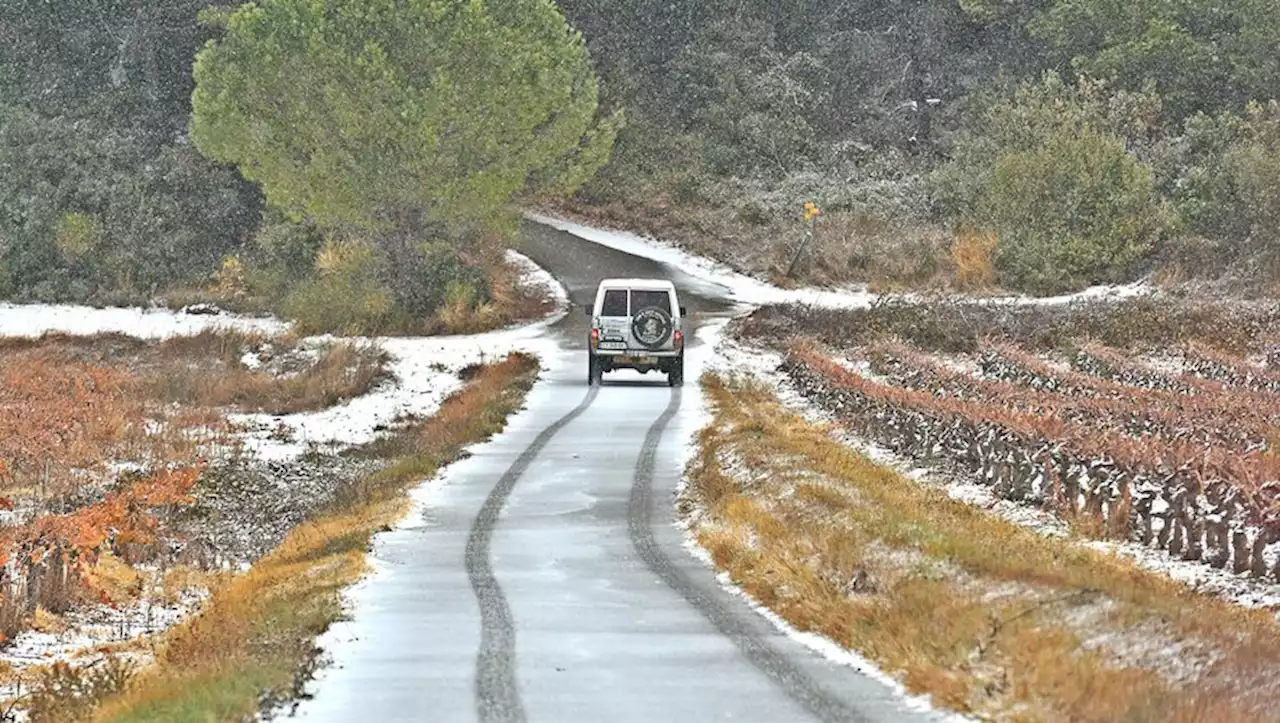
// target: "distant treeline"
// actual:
[[1062, 142], [1093, 139]]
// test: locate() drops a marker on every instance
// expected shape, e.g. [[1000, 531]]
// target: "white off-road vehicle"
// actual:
[[636, 324]]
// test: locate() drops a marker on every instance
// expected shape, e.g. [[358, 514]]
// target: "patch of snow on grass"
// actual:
[[425, 372], [424, 375], [535, 278], [97, 625], [92, 628], [1093, 293], [37, 319], [251, 361]]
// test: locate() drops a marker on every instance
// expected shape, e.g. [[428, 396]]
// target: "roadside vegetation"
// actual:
[[1151, 423], [1037, 146], [221, 369], [158, 153], [124, 493], [983, 615], [127, 506], [252, 644], [1042, 438]]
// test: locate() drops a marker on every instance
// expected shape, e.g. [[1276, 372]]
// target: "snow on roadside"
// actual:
[[734, 357], [748, 290], [536, 279], [35, 320], [96, 626], [425, 371], [720, 354], [424, 374], [741, 288]]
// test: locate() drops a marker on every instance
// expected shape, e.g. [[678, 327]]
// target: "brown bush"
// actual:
[[973, 259]]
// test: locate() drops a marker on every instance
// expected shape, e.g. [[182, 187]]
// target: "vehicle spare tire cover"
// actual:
[[651, 326]]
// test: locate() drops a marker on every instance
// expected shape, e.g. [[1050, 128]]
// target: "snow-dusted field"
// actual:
[[34, 320], [735, 358], [425, 371]]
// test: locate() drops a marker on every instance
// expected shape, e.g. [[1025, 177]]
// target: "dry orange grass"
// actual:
[[255, 635], [205, 369], [57, 415], [987, 617], [342, 371], [69, 406], [973, 260], [508, 301]]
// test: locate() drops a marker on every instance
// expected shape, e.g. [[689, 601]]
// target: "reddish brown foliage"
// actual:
[[1215, 415], [61, 422], [59, 412], [1076, 454]]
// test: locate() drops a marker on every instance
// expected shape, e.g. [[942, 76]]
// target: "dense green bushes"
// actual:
[[1224, 173], [392, 141], [94, 214], [1150, 141], [1048, 172], [1095, 140], [1069, 213]]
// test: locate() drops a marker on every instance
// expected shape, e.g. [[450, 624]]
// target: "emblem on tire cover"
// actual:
[[651, 326]]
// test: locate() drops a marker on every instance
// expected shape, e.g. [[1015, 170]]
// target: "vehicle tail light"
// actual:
[[595, 337], [679, 336]]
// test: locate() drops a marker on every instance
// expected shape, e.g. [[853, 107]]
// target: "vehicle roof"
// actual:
[[642, 284]]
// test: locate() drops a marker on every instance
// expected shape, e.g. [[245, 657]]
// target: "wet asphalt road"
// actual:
[[548, 582], [580, 266]]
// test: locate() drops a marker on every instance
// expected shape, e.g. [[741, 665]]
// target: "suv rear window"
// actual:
[[615, 303], [645, 299]]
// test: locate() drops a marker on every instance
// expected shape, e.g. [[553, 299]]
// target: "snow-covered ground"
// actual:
[[34, 320], [425, 371], [748, 290]]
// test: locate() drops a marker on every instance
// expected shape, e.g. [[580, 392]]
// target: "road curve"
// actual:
[[548, 581]]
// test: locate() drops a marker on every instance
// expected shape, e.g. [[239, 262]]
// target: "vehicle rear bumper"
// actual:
[[640, 359], [637, 352]]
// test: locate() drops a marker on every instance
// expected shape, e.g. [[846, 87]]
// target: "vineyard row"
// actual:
[[1195, 502]]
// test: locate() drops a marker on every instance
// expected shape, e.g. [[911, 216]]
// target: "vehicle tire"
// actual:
[[595, 372], [675, 377]]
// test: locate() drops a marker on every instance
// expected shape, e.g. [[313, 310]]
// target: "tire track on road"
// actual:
[[774, 664], [496, 691]]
